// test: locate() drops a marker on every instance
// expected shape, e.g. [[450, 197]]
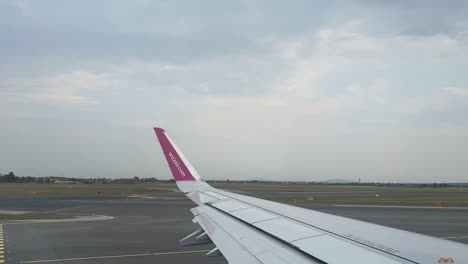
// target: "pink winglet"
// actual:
[[179, 170]]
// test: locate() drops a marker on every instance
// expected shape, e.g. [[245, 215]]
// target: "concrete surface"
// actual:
[[148, 230]]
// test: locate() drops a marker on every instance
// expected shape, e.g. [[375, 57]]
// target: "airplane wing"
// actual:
[[251, 230]]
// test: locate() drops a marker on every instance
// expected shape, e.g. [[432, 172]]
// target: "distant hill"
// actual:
[[337, 181]]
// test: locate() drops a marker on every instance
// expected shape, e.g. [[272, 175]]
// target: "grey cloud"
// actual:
[[222, 75], [10, 14], [416, 17], [188, 31], [169, 30]]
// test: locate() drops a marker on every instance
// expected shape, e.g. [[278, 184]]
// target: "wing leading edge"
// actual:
[[251, 230]]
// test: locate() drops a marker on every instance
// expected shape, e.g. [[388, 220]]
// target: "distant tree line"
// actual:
[[421, 185], [12, 178]]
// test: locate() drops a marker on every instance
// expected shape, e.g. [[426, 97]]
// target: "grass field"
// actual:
[[285, 193], [396, 200], [268, 187], [353, 195], [68, 189]]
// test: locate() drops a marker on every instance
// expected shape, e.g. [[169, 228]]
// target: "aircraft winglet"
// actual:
[[179, 165]]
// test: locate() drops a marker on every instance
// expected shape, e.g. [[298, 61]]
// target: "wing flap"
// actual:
[[229, 247], [237, 240], [333, 250], [252, 215], [286, 230]]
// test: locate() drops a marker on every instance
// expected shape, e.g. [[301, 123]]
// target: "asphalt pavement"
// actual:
[[148, 231]]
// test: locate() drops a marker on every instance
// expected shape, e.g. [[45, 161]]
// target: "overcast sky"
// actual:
[[278, 90]]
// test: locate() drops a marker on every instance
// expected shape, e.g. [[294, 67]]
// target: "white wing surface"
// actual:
[[251, 230]]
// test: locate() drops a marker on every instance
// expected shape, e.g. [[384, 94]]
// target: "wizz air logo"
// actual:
[[176, 164]]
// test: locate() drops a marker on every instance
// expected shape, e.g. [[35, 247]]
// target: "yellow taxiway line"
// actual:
[[116, 256], [2, 252]]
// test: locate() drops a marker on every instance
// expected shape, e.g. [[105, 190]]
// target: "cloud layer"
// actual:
[[250, 90]]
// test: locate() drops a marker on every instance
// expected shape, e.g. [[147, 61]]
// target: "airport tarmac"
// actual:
[[148, 231]]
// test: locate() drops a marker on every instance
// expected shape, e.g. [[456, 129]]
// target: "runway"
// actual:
[[142, 231], [148, 231], [446, 223]]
